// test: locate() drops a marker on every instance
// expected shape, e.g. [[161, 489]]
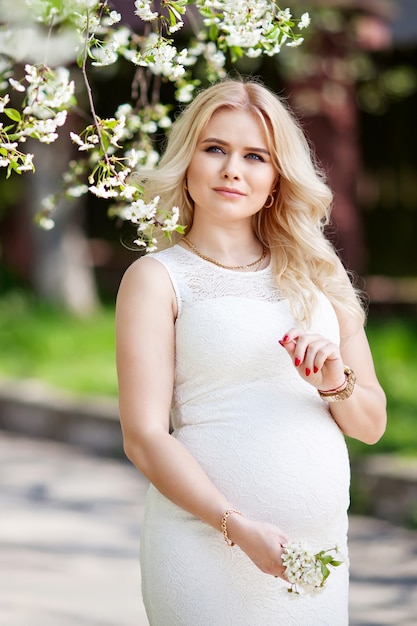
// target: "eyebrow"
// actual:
[[225, 143]]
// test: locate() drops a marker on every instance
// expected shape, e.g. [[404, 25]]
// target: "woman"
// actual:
[[243, 331]]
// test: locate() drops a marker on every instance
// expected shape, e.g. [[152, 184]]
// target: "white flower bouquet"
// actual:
[[306, 569]]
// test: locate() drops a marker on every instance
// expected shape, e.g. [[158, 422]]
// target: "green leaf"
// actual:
[[213, 32], [325, 571], [13, 114], [236, 53]]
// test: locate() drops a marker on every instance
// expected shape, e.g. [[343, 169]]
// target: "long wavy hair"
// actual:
[[303, 260]]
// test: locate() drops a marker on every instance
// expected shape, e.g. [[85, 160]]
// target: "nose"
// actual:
[[231, 169]]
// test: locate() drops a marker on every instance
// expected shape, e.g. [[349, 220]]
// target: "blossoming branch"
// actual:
[[37, 104]]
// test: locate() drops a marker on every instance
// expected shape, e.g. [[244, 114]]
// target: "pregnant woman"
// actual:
[[247, 336]]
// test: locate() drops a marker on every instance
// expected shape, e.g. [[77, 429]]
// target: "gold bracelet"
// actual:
[[223, 525], [346, 392]]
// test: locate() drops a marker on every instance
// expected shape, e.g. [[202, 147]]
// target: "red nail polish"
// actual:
[[286, 338], [316, 369], [308, 371], [297, 361], [281, 343]]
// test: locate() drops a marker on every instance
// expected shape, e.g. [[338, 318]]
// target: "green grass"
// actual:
[[41, 342], [393, 342]]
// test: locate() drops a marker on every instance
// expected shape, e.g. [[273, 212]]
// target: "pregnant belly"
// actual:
[[290, 470]]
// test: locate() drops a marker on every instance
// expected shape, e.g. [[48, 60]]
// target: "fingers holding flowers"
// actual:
[[262, 542]]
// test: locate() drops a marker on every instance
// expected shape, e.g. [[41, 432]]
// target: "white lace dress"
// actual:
[[267, 441]]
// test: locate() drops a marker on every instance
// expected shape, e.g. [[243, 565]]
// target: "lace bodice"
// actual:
[[198, 280]]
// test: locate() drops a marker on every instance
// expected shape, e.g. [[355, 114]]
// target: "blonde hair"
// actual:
[[303, 260]]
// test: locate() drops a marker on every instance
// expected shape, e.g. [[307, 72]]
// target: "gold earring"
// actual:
[[271, 201], [184, 185]]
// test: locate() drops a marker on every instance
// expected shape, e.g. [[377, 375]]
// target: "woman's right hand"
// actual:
[[261, 541]]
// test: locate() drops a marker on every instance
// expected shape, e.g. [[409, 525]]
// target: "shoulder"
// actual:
[[144, 272], [146, 281]]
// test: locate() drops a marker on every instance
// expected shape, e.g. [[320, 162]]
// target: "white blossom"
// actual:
[[9, 146], [144, 11], [150, 127], [103, 191], [104, 55], [118, 130], [253, 53], [4, 102], [284, 15], [120, 37], [185, 93], [46, 223], [140, 210], [171, 223], [304, 21], [114, 18], [48, 137], [16, 85], [84, 145], [176, 27], [128, 192], [295, 42], [27, 164], [165, 122], [77, 191], [214, 56], [133, 156]]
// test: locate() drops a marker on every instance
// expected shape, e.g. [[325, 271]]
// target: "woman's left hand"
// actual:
[[317, 359]]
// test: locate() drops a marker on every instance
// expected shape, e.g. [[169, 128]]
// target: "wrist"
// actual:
[[343, 392], [340, 387], [227, 525]]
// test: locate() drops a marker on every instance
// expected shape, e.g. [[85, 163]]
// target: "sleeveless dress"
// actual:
[[265, 439]]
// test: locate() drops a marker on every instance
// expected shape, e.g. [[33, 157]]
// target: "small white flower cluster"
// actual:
[[162, 58], [144, 12], [48, 95], [254, 27], [147, 216], [306, 569]]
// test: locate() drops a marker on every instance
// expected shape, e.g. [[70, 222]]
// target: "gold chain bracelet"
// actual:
[[223, 525]]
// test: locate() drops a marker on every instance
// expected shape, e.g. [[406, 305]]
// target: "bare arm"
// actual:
[[145, 338]]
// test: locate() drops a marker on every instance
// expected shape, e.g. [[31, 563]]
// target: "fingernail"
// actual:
[[316, 369], [281, 343], [286, 338], [308, 371], [297, 361]]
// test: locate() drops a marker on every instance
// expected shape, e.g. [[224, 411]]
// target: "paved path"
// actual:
[[69, 527]]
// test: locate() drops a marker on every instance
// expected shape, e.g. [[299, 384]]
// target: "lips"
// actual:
[[229, 192]]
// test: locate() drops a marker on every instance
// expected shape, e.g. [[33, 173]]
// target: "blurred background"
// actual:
[[71, 505], [353, 83]]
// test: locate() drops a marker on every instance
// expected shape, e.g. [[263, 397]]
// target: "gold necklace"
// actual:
[[226, 267]]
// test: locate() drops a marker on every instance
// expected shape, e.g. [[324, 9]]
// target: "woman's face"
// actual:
[[231, 172]]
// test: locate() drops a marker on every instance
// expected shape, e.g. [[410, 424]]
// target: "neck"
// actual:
[[228, 248], [239, 260]]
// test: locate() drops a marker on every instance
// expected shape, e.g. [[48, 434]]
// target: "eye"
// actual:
[[252, 156], [215, 149]]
